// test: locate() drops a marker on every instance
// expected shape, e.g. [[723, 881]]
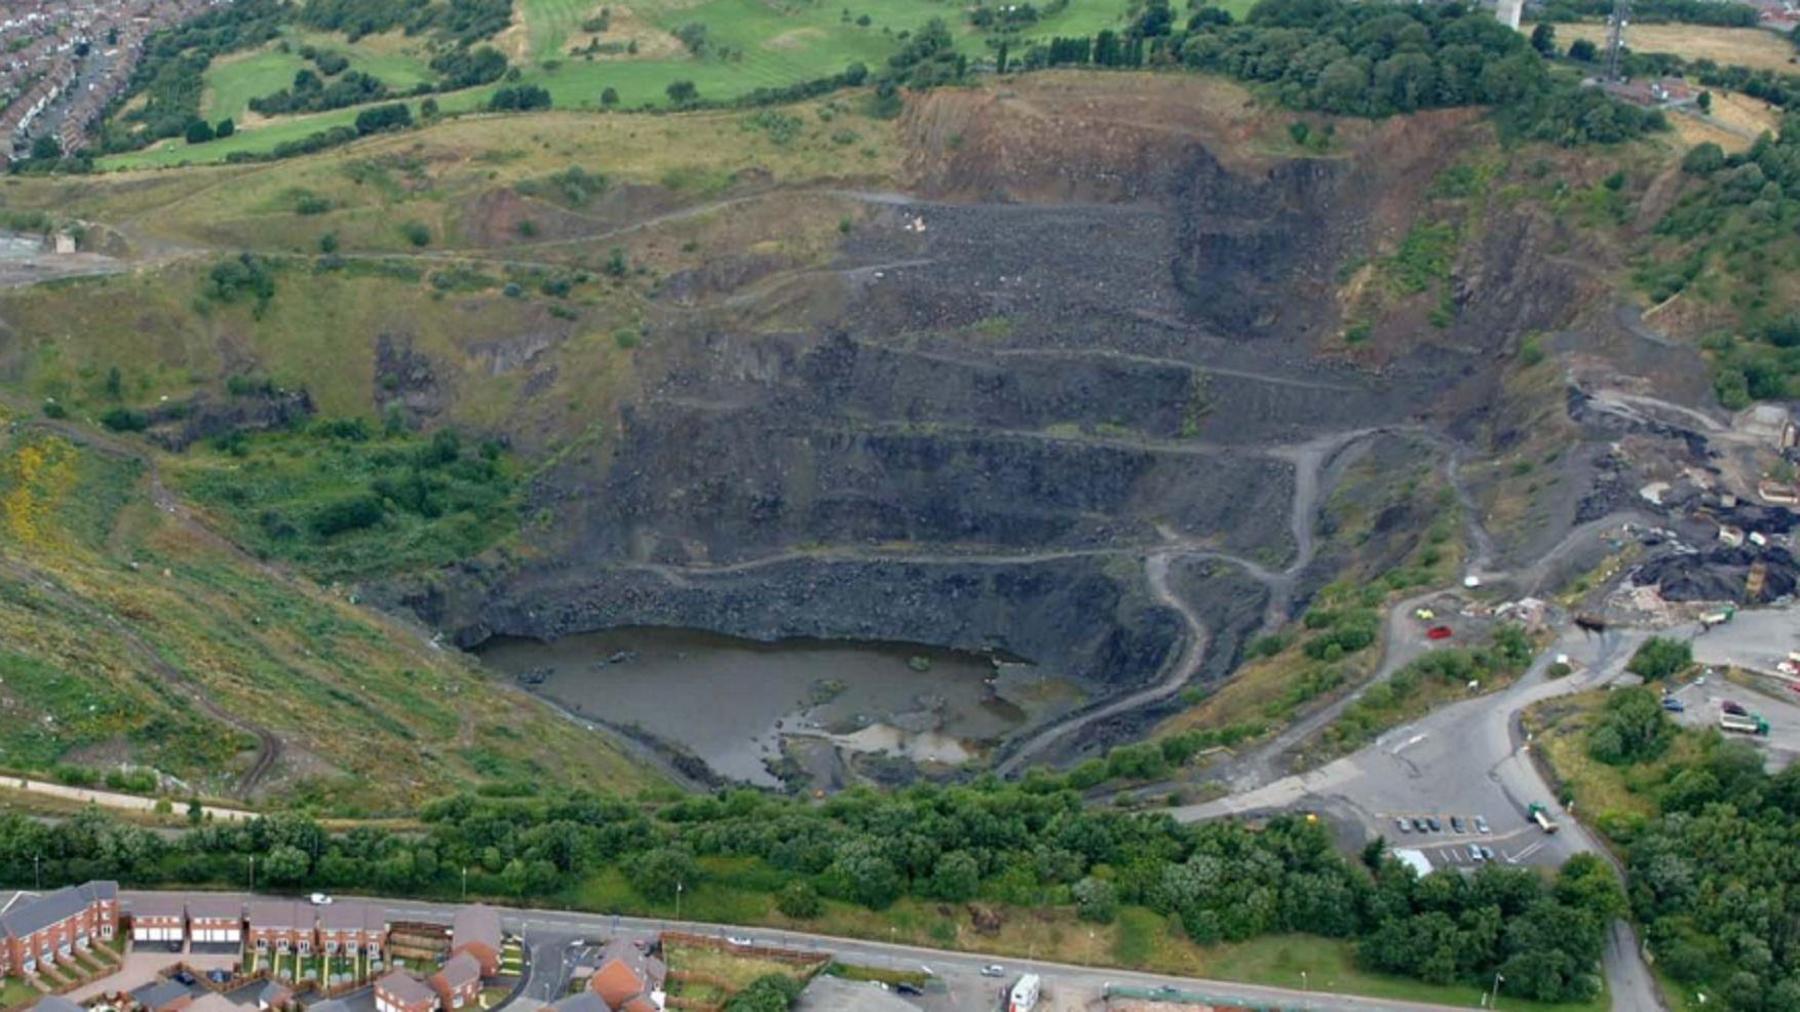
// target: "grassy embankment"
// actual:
[[155, 621]]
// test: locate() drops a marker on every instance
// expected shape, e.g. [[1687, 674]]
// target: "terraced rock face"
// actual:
[[1011, 394]]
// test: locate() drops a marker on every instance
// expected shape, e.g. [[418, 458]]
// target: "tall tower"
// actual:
[[1615, 38], [1509, 11]]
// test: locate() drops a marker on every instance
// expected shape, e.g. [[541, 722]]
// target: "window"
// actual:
[[281, 946], [305, 947], [262, 945], [331, 948], [350, 947]]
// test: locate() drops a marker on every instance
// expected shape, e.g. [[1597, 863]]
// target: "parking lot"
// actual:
[[1703, 701]]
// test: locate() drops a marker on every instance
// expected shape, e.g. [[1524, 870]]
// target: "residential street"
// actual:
[[553, 935]]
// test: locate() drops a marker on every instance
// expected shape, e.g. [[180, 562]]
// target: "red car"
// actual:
[[1438, 632]]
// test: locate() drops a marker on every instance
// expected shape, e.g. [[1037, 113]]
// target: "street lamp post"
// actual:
[[678, 901], [1494, 996], [465, 887], [37, 873], [252, 872], [1304, 986]]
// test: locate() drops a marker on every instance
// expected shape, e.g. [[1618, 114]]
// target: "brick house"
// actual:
[[51, 928], [354, 929], [402, 992], [628, 977], [216, 919], [158, 917], [476, 931], [280, 927], [459, 982]]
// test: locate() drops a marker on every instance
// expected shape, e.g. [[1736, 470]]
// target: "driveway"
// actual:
[[143, 966]]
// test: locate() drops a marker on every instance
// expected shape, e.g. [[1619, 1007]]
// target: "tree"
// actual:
[[775, 992], [682, 93], [1583, 51], [195, 811], [956, 877], [660, 871], [609, 97], [428, 109], [46, 148], [1660, 657], [225, 128], [199, 132], [286, 864], [1543, 38], [1704, 101], [799, 900], [1096, 900]]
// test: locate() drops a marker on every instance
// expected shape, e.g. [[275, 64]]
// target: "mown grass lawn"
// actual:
[[750, 45], [232, 82]]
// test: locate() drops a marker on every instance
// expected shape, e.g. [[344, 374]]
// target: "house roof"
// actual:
[[478, 923], [461, 971], [155, 996], [274, 993], [212, 907], [625, 973], [586, 1001], [56, 1003], [405, 987], [353, 916], [280, 914], [36, 915], [159, 905], [328, 1005], [214, 1002]]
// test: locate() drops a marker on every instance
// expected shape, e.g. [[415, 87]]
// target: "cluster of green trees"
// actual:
[[1018, 844], [1739, 219], [1714, 874], [310, 93], [1694, 12], [461, 22], [1366, 60]]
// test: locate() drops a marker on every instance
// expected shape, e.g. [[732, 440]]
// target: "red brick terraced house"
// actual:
[[159, 917], [216, 919], [280, 927], [52, 928], [402, 992], [458, 984], [476, 931], [354, 931], [628, 978]]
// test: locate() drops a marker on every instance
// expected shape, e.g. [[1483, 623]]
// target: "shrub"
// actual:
[[125, 420], [417, 233], [1660, 657], [350, 513]]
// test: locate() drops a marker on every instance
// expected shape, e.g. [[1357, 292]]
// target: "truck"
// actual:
[[1541, 815], [1716, 618], [1748, 723], [1024, 994]]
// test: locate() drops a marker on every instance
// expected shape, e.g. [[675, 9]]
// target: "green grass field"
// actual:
[[232, 82], [751, 45]]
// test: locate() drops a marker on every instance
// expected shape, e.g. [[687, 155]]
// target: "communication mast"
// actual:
[[1615, 39]]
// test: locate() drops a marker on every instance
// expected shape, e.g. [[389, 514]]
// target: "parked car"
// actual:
[[1475, 852], [1436, 826], [1673, 705], [1456, 825], [182, 977], [993, 970], [905, 987], [320, 900], [1438, 632], [1419, 824], [740, 941], [1733, 707], [1402, 826], [1487, 853], [1481, 825]]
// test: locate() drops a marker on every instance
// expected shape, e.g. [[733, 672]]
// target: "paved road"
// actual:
[[547, 931]]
